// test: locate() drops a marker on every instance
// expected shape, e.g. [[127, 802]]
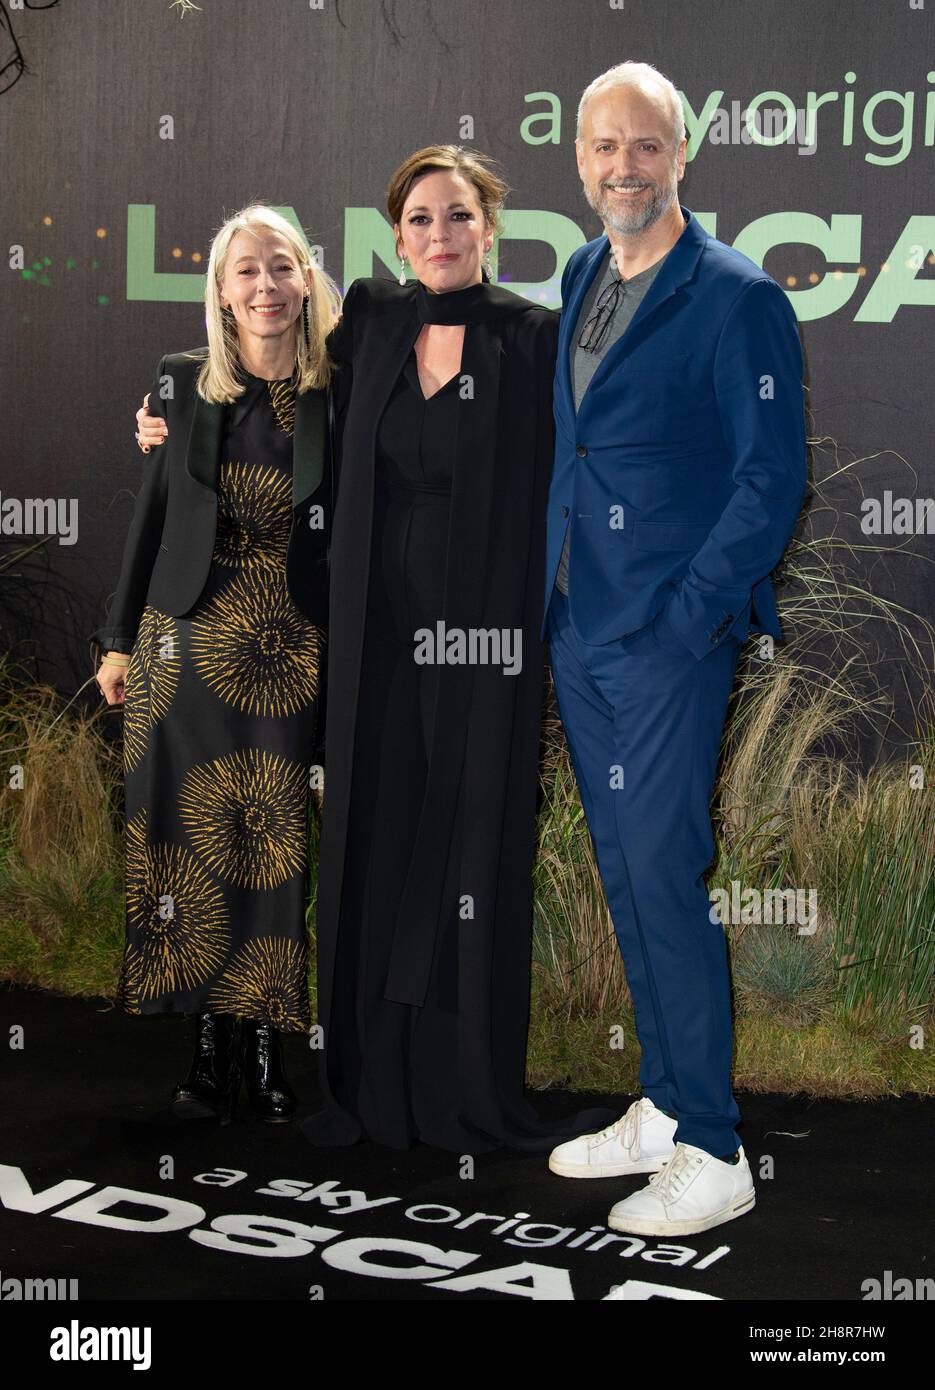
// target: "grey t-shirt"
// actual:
[[584, 363]]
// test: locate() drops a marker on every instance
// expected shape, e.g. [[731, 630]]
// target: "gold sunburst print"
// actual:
[[254, 514], [152, 679], [282, 398], [254, 649], [177, 914], [245, 816], [131, 979], [268, 979]]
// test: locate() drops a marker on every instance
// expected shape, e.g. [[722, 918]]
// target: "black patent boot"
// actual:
[[213, 1082], [271, 1096]]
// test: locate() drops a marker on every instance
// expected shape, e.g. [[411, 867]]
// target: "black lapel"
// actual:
[[308, 444], [679, 269], [379, 363], [202, 459]]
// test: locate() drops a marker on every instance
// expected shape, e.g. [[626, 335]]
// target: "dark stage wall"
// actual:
[[137, 127]]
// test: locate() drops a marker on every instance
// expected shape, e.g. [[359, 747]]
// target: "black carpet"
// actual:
[[848, 1199]]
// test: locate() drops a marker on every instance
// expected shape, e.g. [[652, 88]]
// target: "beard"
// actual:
[[627, 221]]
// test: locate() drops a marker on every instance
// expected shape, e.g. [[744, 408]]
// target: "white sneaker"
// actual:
[[692, 1193], [639, 1142]]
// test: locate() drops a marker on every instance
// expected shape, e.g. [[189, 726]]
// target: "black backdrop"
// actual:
[[135, 128]]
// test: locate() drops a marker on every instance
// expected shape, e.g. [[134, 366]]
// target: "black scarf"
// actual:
[[479, 303]]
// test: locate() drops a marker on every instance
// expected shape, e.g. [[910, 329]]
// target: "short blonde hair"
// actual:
[[632, 74], [218, 380]]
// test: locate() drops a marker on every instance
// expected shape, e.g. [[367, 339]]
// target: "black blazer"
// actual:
[[168, 550]]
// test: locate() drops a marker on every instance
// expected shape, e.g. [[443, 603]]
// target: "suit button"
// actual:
[[581, 451], [564, 511]]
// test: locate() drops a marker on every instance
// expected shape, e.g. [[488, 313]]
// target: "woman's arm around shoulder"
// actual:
[[151, 419]]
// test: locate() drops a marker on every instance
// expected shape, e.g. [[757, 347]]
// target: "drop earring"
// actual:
[[402, 270], [305, 322]]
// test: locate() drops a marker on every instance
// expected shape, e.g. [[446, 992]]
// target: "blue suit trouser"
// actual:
[[647, 707]]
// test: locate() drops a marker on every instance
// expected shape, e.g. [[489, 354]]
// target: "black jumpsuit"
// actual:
[[397, 1075]]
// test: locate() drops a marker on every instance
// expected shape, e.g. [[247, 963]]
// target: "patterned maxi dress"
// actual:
[[219, 731]]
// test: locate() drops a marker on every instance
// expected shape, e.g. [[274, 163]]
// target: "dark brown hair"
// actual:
[[471, 164]]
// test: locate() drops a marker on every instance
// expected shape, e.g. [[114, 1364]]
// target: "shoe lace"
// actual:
[[628, 1123], [669, 1179]]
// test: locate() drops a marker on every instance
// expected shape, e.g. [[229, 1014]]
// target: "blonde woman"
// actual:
[[212, 644]]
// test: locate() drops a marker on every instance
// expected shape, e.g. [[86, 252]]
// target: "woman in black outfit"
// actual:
[[424, 894], [213, 645]]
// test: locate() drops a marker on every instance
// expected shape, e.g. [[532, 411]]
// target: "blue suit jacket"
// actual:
[[683, 472]]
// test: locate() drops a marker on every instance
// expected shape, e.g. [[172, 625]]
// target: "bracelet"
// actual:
[[110, 661]]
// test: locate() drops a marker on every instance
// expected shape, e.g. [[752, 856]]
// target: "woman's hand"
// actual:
[[112, 676], [152, 429]]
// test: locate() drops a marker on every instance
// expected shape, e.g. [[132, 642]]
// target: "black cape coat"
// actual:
[[486, 729]]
